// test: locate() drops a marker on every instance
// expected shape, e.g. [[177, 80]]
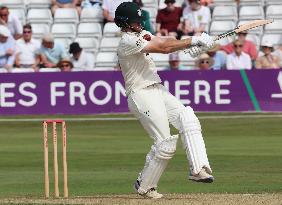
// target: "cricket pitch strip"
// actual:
[[175, 199]]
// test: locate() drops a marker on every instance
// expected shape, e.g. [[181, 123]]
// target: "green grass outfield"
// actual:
[[104, 157]]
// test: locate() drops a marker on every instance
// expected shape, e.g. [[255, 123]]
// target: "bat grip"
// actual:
[[225, 34]]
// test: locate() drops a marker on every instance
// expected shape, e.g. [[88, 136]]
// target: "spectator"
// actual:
[[65, 65], [202, 2], [26, 50], [204, 62], [51, 52], [238, 59], [278, 53], [147, 23], [65, 4], [196, 18], [206, 2], [12, 22], [7, 48], [219, 57], [168, 19], [91, 4], [80, 59], [267, 60], [109, 8], [174, 62], [248, 46]]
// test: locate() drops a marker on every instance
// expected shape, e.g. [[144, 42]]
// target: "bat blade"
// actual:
[[252, 24]]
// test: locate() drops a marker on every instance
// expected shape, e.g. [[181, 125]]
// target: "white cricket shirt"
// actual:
[[138, 69]]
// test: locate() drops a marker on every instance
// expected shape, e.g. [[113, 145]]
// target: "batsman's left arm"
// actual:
[[166, 45]]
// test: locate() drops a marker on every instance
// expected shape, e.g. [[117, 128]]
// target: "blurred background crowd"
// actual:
[[79, 35]]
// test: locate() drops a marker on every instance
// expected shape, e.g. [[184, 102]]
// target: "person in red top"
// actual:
[[168, 19], [248, 46]]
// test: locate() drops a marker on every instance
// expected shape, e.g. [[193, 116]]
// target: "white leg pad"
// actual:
[[152, 173], [149, 157], [193, 142]]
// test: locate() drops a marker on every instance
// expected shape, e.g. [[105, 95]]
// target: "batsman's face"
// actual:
[[136, 27]]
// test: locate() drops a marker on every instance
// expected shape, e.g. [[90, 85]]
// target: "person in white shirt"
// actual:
[[80, 59], [238, 59], [196, 18], [109, 8], [26, 50], [153, 105], [12, 22]]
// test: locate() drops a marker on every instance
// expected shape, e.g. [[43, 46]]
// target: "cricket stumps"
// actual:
[[55, 153]]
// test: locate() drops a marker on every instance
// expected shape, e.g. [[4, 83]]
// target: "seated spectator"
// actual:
[[248, 46], [12, 22], [278, 53], [51, 52], [196, 19], [80, 59], [202, 2], [65, 65], [65, 4], [26, 50], [146, 23], [109, 8], [7, 48], [91, 4], [206, 2], [218, 56], [204, 62], [267, 60], [238, 59], [168, 19], [174, 62]]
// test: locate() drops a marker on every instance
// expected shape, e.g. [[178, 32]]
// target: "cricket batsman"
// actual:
[[153, 105]]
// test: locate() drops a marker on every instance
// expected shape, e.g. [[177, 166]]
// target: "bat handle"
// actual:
[[225, 34]]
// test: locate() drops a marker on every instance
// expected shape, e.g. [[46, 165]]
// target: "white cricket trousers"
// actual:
[[155, 107]]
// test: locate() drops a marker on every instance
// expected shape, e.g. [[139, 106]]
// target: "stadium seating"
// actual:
[[39, 4], [89, 30], [224, 3], [218, 27], [39, 16], [62, 30], [88, 44], [274, 12], [66, 15], [225, 13], [274, 28], [106, 60], [13, 4], [91, 15], [20, 13], [251, 12], [251, 2], [39, 30]]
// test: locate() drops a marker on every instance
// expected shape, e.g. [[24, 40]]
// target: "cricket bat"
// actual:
[[244, 27], [241, 28]]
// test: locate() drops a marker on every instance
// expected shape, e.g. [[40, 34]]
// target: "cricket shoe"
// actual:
[[202, 176], [152, 193]]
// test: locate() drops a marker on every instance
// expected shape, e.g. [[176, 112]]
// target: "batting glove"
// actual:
[[195, 51], [203, 40]]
